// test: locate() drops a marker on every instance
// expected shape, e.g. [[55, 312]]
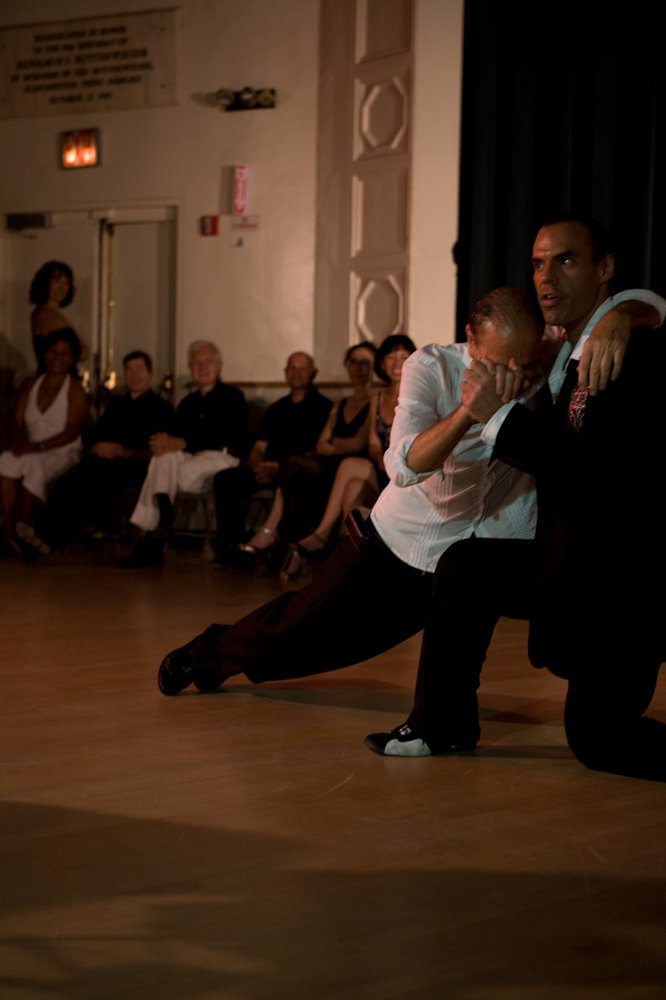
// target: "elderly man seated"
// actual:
[[210, 435]]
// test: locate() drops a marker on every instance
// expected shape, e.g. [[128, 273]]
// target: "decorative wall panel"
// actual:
[[363, 205]]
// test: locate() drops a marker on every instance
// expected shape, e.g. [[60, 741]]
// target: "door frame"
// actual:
[[105, 315]]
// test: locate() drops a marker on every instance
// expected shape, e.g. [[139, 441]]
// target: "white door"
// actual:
[[124, 265], [138, 282]]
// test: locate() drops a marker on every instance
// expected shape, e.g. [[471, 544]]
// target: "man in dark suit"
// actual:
[[591, 582]]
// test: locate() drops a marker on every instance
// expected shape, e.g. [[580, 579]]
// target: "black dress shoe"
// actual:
[[148, 551], [404, 742], [177, 672], [204, 678], [235, 558], [400, 742]]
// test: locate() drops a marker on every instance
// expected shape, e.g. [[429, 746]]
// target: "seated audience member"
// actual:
[[45, 438], [358, 481], [210, 435], [374, 590], [51, 289], [305, 480], [290, 426], [117, 459], [590, 582]]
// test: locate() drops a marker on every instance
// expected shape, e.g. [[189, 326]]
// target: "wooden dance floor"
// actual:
[[245, 845]]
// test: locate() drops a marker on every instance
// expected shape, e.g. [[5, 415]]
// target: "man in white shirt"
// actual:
[[589, 582], [373, 592]]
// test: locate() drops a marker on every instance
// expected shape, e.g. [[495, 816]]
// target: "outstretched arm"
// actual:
[[603, 354]]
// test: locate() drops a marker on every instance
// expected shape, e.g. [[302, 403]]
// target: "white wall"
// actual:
[[438, 28], [255, 300]]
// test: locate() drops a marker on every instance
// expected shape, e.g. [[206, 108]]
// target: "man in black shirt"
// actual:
[[290, 426], [116, 460]]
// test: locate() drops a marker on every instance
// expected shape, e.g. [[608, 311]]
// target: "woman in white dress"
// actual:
[[44, 435]]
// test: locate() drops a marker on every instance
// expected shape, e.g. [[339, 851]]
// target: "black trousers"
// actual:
[[81, 496], [476, 582], [362, 602], [232, 487], [613, 669]]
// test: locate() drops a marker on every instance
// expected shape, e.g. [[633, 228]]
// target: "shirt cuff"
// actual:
[[395, 462], [492, 428]]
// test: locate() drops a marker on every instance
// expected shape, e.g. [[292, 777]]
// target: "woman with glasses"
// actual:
[[358, 479]]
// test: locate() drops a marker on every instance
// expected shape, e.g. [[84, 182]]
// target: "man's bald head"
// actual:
[[505, 324]]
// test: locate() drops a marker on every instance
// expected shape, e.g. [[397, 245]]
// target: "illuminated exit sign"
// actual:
[[80, 148]]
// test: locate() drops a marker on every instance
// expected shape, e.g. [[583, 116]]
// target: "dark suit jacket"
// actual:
[[601, 525]]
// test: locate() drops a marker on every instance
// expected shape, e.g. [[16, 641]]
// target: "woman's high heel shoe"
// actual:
[[259, 550], [30, 546], [294, 563]]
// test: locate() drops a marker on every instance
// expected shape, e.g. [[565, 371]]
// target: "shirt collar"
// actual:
[[560, 363], [600, 311]]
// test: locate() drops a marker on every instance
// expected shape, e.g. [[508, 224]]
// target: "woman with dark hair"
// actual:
[[51, 290], [391, 356], [359, 480], [44, 436]]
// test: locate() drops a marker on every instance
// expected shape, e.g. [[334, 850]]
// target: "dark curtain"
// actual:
[[562, 110]]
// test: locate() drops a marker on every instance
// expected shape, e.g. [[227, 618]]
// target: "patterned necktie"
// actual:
[[577, 402]]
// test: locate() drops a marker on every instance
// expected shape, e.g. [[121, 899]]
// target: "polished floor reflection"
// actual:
[[246, 845]]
